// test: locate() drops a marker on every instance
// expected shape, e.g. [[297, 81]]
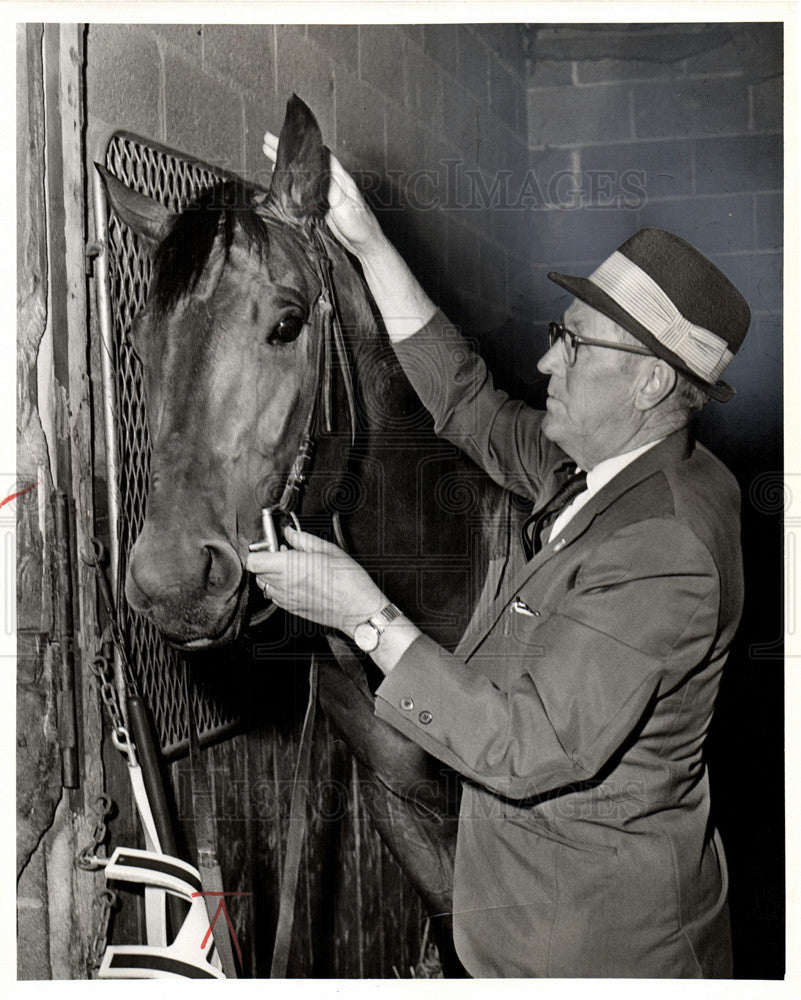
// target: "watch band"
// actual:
[[367, 634], [385, 616]]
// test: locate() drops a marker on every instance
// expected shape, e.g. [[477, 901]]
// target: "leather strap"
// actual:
[[206, 841], [298, 823]]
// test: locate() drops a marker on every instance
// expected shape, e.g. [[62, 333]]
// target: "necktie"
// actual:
[[535, 525]]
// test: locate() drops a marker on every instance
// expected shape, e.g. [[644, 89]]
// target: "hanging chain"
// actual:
[[97, 560], [93, 856], [120, 737], [89, 857], [104, 901]]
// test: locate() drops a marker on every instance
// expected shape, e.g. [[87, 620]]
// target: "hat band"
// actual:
[[702, 351]]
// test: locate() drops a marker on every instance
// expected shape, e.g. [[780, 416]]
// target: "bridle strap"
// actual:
[[331, 354], [298, 823]]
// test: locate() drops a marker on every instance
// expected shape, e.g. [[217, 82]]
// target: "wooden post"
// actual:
[[55, 450]]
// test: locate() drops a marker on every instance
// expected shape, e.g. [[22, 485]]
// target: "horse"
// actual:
[[249, 395]]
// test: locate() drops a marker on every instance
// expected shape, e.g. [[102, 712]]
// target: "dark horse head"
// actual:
[[227, 343]]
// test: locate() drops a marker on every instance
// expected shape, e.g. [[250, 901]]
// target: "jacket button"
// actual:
[[406, 704], [425, 717]]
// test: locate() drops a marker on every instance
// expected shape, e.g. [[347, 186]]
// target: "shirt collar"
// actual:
[[610, 467]]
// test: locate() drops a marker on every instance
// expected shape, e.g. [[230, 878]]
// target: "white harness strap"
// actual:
[[185, 958], [155, 899]]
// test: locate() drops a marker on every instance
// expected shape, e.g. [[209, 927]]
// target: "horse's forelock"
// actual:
[[183, 254]]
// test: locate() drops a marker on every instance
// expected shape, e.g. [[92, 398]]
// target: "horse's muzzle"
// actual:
[[193, 591]]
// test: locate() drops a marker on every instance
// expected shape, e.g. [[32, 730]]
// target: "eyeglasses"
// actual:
[[571, 341]]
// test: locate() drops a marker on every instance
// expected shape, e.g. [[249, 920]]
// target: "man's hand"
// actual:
[[403, 304], [349, 217], [315, 579]]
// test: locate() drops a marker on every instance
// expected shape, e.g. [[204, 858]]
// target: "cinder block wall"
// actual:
[[413, 109], [675, 126]]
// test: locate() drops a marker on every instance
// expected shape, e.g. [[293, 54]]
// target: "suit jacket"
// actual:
[[577, 703]]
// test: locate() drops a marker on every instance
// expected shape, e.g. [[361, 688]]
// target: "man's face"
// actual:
[[590, 411]]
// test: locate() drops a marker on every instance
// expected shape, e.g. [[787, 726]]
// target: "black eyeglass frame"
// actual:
[[558, 332]]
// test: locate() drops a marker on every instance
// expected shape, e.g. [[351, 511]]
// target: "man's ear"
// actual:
[[146, 216], [659, 381], [299, 188]]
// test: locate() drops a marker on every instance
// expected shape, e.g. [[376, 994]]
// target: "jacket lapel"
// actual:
[[674, 448]]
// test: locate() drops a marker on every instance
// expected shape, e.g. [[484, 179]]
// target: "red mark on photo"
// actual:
[[221, 907], [18, 494]]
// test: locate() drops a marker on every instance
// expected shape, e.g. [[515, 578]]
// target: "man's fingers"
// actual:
[[303, 541], [265, 562], [270, 147]]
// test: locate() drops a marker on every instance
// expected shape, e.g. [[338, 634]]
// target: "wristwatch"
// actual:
[[366, 634]]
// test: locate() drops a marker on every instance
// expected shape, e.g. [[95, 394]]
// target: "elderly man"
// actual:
[[577, 707]]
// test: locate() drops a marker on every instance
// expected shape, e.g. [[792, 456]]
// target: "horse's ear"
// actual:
[[299, 187], [146, 216]]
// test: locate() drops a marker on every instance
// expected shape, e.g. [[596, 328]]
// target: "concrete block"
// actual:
[[303, 70], [420, 79], [549, 73], [580, 234], [123, 78], [769, 210], [507, 96], [663, 168], [758, 276], [499, 149], [739, 163], [404, 137], [616, 70], [440, 41], [690, 107], [473, 64], [534, 295], [380, 46], [244, 55], [460, 114], [551, 179], [360, 112], [414, 32], [186, 36], [462, 254], [751, 423], [203, 117], [714, 224], [575, 116], [258, 118], [768, 105], [339, 42], [754, 49], [506, 39], [494, 267], [512, 229]]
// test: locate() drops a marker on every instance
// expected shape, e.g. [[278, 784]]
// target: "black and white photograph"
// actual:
[[402, 522]]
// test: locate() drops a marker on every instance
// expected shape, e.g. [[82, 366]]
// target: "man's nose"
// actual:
[[550, 362]]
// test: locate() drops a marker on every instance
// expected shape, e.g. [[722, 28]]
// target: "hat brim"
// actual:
[[596, 297]]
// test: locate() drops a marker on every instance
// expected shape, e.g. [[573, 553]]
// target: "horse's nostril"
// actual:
[[223, 568]]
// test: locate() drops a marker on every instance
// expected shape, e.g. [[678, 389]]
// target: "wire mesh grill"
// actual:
[[161, 675]]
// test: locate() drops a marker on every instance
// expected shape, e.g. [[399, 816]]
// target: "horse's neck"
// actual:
[[427, 508]]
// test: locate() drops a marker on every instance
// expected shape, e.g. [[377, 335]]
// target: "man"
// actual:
[[578, 706]]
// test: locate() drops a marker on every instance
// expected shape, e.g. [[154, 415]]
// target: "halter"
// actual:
[[330, 343]]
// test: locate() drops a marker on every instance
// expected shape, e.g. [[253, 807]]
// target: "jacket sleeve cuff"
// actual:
[[427, 692]]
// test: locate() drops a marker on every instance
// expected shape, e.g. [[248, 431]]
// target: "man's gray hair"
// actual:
[[688, 395]]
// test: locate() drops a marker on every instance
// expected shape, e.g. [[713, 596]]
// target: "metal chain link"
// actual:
[[89, 858], [120, 737], [105, 901]]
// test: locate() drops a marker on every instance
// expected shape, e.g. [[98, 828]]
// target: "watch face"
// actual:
[[365, 635]]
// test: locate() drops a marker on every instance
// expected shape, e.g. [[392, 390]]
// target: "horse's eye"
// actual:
[[286, 329]]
